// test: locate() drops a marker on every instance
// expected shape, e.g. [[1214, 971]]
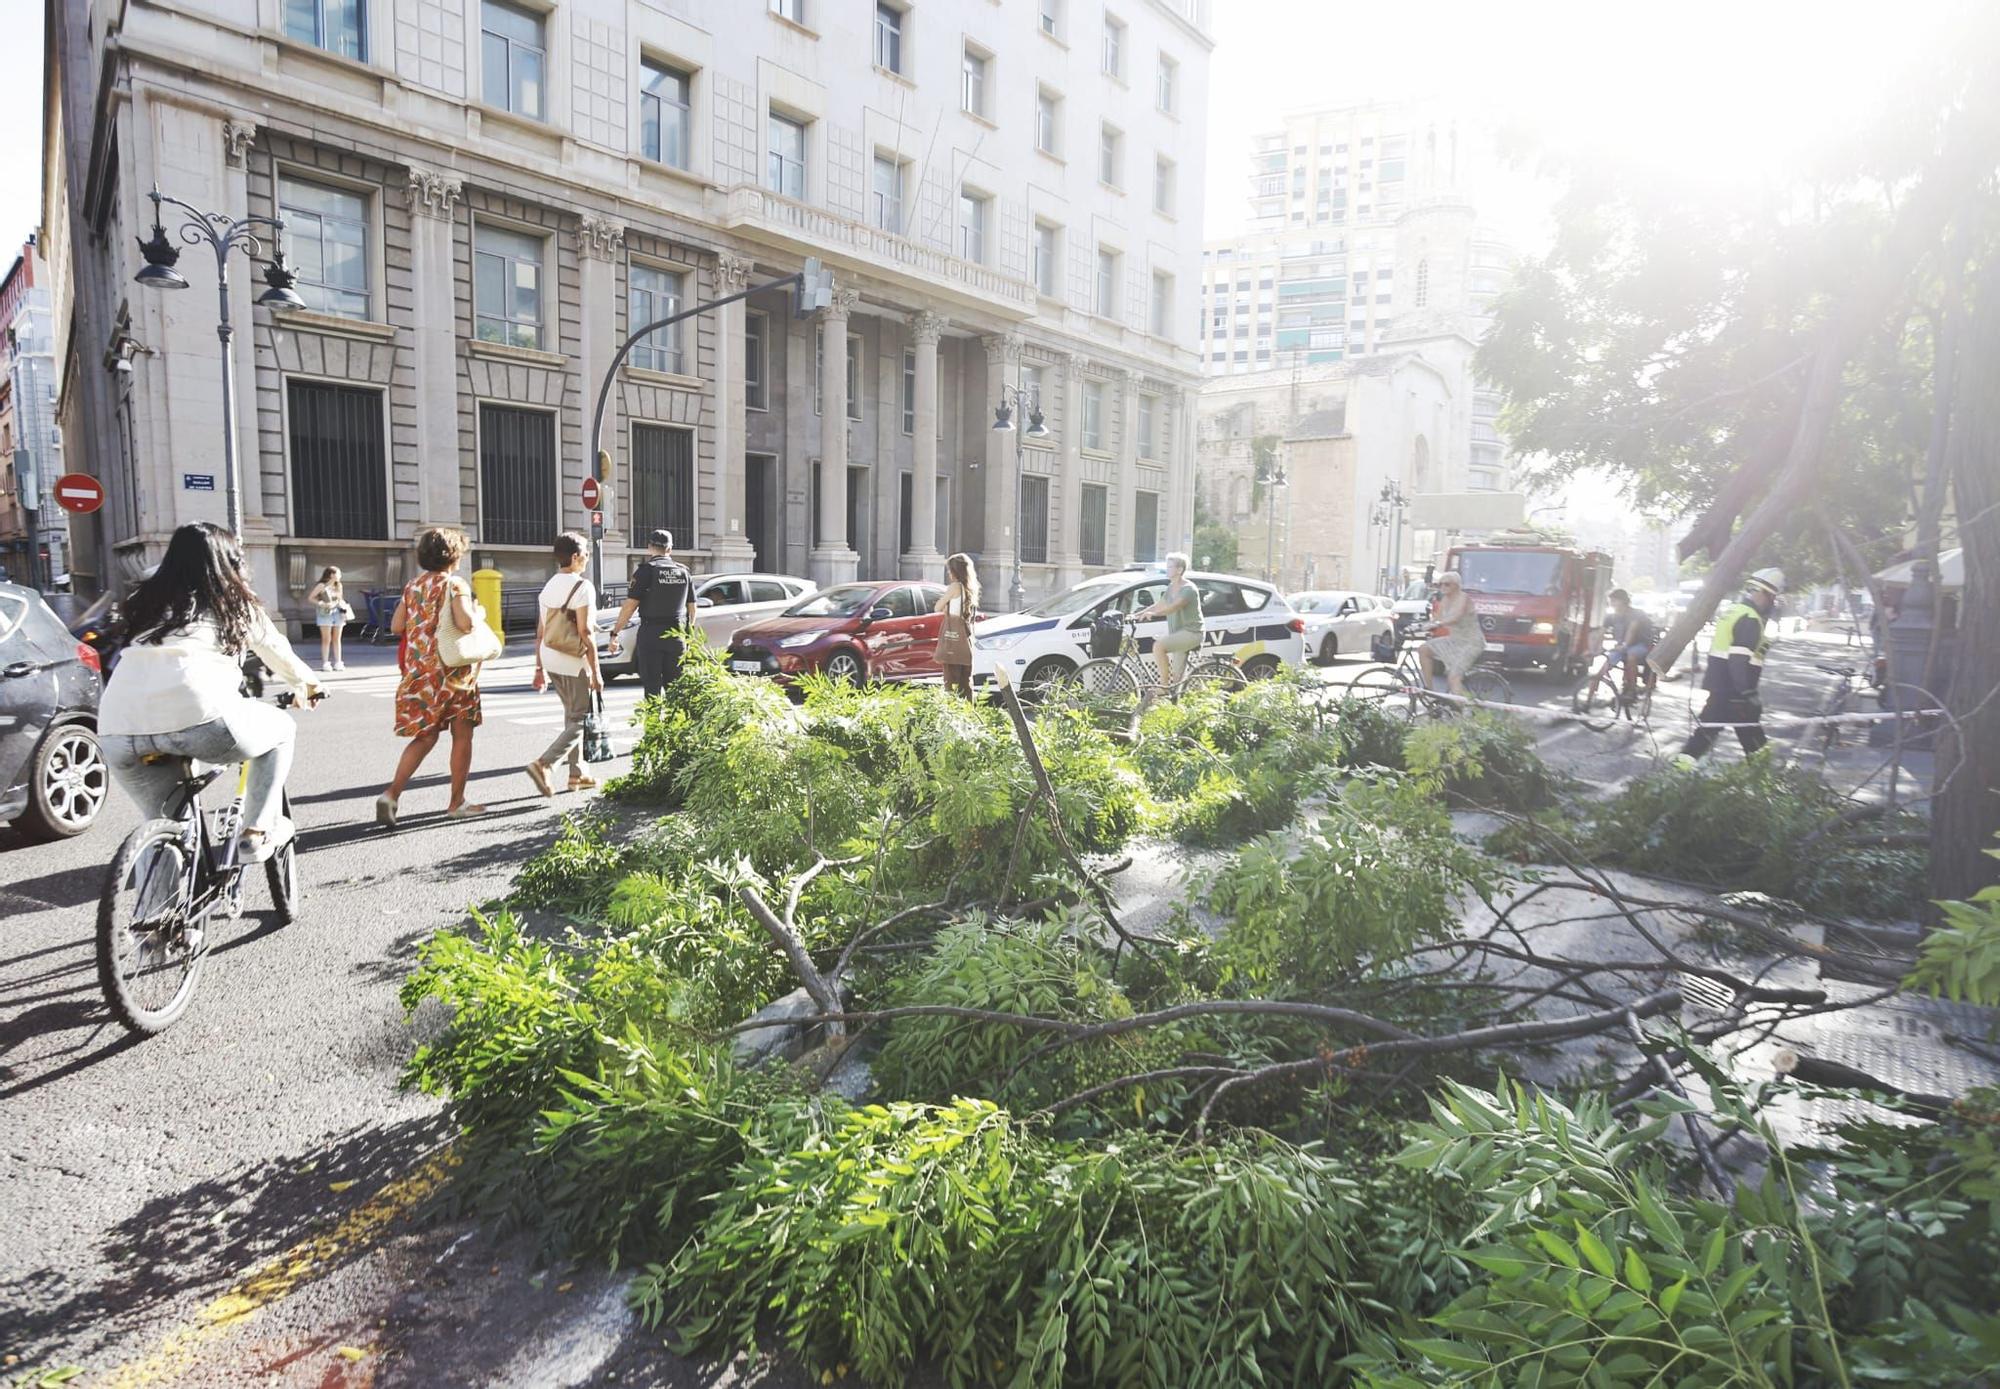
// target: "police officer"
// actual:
[[1735, 661], [660, 592]]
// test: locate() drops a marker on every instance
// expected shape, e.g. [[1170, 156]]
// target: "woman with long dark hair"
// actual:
[[960, 606], [177, 689], [330, 608]]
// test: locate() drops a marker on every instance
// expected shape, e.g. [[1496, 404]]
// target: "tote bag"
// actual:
[[954, 646], [596, 736], [457, 649]]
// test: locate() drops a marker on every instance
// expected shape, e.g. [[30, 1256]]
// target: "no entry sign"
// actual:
[[590, 494], [79, 492]]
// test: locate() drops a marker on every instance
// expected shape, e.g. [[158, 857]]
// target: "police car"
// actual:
[[1244, 619]]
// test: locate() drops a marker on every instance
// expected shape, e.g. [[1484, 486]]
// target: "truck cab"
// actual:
[[1538, 604]]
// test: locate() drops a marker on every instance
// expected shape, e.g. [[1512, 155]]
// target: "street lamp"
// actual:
[[1003, 423], [1394, 500], [223, 235], [1275, 481]]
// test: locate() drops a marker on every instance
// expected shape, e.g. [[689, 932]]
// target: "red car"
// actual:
[[863, 631]]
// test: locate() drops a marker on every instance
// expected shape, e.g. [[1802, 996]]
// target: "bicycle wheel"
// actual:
[[149, 955], [1214, 673], [1596, 703], [1488, 686], [1106, 687], [1386, 689], [281, 872]]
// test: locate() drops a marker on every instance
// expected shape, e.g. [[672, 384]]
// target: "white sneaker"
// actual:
[[340, 665], [253, 847], [326, 665]]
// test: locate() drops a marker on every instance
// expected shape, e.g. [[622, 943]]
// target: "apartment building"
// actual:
[[34, 534], [483, 198]]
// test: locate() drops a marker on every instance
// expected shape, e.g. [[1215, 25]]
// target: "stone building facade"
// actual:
[[485, 197], [34, 531]]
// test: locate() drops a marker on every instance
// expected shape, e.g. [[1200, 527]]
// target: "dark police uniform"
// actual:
[[1735, 662], [665, 589]]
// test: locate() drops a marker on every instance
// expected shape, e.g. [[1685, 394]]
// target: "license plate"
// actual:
[[747, 667], [1494, 648]]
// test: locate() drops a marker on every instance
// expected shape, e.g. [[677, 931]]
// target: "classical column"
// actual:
[[600, 246], [832, 560], [729, 548], [996, 551], [923, 561], [1125, 499], [434, 346], [1066, 530]]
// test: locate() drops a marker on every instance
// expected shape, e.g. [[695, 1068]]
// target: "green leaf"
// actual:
[[1558, 1248], [1636, 1272], [1594, 1250], [1671, 1298], [1711, 1257]]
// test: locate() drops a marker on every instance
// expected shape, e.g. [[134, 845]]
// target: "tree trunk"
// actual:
[[1966, 814]]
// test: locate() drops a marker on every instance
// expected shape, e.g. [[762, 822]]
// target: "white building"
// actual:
[[483, 197]]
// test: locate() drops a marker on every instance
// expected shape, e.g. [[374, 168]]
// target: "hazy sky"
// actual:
[[20, 124]]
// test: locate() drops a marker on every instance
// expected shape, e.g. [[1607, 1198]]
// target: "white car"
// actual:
[[1244, 619], [1342, 622], [723, 602]]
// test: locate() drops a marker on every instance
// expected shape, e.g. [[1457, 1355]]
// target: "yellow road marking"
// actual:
[[304, 1261]]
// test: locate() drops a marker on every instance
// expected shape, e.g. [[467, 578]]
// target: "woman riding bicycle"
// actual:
[[176, 693]]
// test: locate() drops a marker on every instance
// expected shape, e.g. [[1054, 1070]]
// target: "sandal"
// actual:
[[385, 810], [582, 783], [538, 772], [464, 812]]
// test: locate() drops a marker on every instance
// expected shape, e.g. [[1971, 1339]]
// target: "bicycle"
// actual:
[[1848, 680], [1602, 704], [168, 880], [1407, 686], [1117, 685]]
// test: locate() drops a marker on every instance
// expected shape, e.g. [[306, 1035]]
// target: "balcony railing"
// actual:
[[754, 210]]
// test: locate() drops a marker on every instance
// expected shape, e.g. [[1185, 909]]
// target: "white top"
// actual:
[[556, 594], [189, 679]]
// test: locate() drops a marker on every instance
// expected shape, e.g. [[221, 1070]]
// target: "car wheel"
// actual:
[[1262, 667], [846, 665], [68, 783], [1042, 676], [1329, 647]]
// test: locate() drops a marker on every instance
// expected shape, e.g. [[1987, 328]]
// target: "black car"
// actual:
[[53, 781]]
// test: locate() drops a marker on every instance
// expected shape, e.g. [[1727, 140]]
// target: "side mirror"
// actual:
[[881, 612], [704, 602]]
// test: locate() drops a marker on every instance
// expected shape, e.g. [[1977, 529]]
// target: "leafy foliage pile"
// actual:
[[1483, 761], [1225, 765]]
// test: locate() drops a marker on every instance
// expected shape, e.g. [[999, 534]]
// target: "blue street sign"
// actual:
[[197, 482]]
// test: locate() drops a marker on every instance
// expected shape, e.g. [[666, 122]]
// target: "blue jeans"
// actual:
[[253, 731]]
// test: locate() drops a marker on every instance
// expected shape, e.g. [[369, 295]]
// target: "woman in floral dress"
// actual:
[[433, 696]]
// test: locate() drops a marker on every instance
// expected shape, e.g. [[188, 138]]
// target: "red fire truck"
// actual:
[[1539, 604]]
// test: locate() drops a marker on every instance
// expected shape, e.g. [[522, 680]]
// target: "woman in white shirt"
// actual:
[[567, 609], [177, 689]]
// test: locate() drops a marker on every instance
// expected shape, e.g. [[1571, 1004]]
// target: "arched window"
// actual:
[[1420, 464], [1239, 497], [1423, 283]]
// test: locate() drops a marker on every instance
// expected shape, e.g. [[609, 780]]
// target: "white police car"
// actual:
[[1244, 619]]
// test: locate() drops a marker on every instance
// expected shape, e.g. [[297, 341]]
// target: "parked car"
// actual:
[[882, 630], [1244, 619], [53, 781], [723, 602], [1411, 607], [1342, 622]]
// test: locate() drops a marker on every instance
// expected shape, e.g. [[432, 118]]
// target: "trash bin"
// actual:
[[486, 589]]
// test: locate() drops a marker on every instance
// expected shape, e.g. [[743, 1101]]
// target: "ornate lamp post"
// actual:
[[222, 235], [1395, 501], [1012, 398]]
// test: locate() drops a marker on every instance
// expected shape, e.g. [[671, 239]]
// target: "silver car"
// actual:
[[723, 602], [1341, 622]]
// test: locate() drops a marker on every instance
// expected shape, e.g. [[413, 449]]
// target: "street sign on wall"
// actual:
[[79, 492]]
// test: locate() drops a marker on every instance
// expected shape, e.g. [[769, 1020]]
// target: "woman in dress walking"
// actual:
[[1456, 643], [329, 600], [433, 696], [960, 605]]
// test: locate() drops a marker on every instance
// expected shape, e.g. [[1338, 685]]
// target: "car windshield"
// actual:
[[1416, 591], [1073, 600], [842, 600], [1535, 572], [1317, 602]]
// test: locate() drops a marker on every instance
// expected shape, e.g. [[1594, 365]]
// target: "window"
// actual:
[[1146, 526], [1033, 379], [1093, 415], [335, 25], [1048, 122], [339, 467], [972, 82], [853, 377], [1166, 89], [1090, 535], [1111, 157], [794, 10], [889, 38], [909, 396], [655, 294], [663, 114], [326, 231], [1048, 252], [1423, 283], [513, 54], [786, 169], [1163, 304], [1051, 18], [1163, 185], [1034, 520], [972, 217], [756, 356], [1148, 410], [663, 483], [507, 286], [886, 201], [517, 476], [1105, 302], [1114, 47]]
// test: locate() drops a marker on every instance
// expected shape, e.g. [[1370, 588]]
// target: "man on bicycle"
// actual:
[[1180, 605], [1632, 638]]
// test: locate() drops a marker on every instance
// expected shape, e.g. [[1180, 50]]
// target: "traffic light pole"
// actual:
[[815, 291]]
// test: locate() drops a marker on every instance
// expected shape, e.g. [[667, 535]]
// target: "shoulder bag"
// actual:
[[560, 634], [458, 649], [954, 646]]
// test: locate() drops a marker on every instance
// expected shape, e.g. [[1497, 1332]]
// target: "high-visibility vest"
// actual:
[[1724, 644]]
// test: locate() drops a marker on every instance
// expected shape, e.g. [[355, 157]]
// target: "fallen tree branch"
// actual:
[[787, 939]]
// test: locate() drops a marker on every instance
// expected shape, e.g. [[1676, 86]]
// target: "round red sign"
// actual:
[[590, 494], [79, 492]]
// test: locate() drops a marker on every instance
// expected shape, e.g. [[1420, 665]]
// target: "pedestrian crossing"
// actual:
[[504, 695]]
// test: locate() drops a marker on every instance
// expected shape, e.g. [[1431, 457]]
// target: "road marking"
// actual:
[[285, 1274]]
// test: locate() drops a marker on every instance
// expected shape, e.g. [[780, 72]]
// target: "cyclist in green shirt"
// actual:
[[1180, 605]]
